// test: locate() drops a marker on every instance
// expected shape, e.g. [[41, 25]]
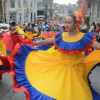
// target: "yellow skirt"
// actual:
[[3, 50], [62, 77], [55, 78]]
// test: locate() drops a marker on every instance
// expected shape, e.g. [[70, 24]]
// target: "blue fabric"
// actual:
[[47, 28], [2, 67], [44, 46], [21, 78], [78, 45], [29, 29], [12, 29], [33, 40], [9, 52], [96, 96], [85, 53]]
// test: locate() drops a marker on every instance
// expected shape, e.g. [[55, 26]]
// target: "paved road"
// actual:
[[6, 89], [6, 86]]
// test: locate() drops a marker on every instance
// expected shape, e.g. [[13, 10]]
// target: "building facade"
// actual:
[[94, 11], [62, 10], [44, 9], [20, 11], [4, 11], [82, 7], [1, 11]]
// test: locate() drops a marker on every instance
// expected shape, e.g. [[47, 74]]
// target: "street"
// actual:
[[6, 89], [6, 86]]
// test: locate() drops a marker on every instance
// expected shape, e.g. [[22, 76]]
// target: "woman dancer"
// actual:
[[43, 76], [11, 40], [45, 35]]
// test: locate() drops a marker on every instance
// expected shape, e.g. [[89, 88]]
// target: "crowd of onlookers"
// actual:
[[39, 26], [93, 28], [84, 28]]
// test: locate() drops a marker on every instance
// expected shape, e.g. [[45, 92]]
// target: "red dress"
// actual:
[[11, 40]]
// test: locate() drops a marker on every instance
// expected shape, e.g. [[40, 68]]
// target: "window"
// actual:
[[24, 3], [12, 3], [19, 3], [40, 13], [98, 10]]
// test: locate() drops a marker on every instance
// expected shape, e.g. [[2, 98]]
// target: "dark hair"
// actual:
[[23, 24], [98, 24], [13, 24], [93, 23], [28, 24], [63, 27], [33, 25], [73, 17]]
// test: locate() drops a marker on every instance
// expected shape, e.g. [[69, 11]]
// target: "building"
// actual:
[[94, 11], [62, 10], [4, 15], [72, 8], [44, 9], [82, 7], [1, 11], [20, 11]]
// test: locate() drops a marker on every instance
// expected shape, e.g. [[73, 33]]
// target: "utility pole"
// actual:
[[29, 12], [3, 17], [7, 11], [46, 12], [22, 13], [33, 10]]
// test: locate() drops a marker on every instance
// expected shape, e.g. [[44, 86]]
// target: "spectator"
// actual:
[[84, 28], [93, 27]]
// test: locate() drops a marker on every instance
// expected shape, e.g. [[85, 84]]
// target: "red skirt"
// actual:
[[11, 40]]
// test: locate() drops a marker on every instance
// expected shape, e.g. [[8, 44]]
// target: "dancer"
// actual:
[[11, 40], [29, 30], [44, 76], [45, 35], [2, 52]]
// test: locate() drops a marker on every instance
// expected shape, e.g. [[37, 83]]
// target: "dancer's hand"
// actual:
[[37, 42]]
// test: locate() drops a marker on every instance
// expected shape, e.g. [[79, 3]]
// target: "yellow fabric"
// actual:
[[30, 35], [13, 31], [59, 77], [72, 39], [1, 62], [35, 34], [91, 60], [2, 47], [54, 52], [21, 31]]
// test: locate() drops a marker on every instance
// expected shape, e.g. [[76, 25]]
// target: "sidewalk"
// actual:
[[6, 89]]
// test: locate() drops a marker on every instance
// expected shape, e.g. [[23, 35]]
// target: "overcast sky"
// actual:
[[65, 1]]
